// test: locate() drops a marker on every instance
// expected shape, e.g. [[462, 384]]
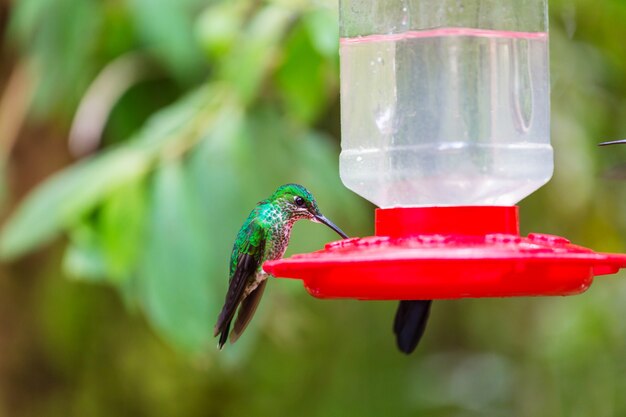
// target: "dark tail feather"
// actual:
[[223, 335], [410, 322], [246, 311]]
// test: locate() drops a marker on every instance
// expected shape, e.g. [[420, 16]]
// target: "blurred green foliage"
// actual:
[[219, 103], [155, 214]]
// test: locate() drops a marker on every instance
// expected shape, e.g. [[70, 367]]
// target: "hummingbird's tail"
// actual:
[[246, 311], [223, 335], [410, 323], [222, 327], [236, 291]]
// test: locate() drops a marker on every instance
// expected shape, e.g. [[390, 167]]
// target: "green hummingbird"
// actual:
[[264, 236], [410, 323]]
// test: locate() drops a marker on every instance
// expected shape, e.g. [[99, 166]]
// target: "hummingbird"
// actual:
[[264, 236], [410, 323]]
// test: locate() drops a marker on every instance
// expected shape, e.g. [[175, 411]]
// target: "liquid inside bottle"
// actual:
[[450, 116]]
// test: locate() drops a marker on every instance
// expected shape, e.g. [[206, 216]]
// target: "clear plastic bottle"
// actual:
[[445, 102]]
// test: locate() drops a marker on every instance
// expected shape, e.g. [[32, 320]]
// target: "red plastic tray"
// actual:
[[447, 253]]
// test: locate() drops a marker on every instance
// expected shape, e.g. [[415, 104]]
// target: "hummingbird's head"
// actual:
[[298, 203]]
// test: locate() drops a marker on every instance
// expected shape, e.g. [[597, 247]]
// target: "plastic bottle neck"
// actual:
[[458, 220]]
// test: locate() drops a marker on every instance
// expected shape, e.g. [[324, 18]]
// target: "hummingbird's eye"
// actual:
[[299, 201]]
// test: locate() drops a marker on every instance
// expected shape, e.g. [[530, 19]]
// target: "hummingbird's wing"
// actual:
[[246, 311], [410, 323], [250, 246], [237, 284]]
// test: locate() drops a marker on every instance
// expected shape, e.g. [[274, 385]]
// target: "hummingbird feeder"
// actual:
[[445, 112]]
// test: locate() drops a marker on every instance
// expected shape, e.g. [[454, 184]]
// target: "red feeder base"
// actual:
[[445, 253]]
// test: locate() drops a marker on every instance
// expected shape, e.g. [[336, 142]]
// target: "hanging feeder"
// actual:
[[447, 252], [445, 110]]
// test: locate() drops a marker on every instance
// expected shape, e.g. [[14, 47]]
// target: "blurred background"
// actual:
[[136, 135]]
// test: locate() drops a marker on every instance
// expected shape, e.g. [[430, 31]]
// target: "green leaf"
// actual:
[[174, 271], [167, 27], [58, 203], [121, 229], [26, 16], [323, 27], [250, 62], [84, 258], [219, 26], [302, 79], [60, 38], [63, 199]]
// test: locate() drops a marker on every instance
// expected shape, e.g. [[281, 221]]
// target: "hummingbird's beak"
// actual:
[[322, 219], [613, 142]]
